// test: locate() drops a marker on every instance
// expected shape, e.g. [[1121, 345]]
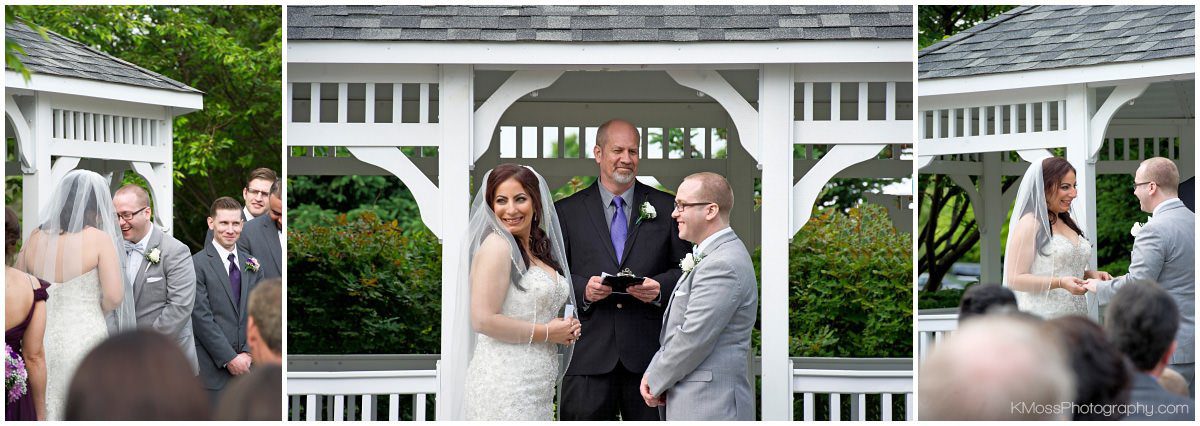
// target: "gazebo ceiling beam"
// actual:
[[1120, 96], [488, 114], [184, 102], [744, 116], [21, 127], [1183, 68]]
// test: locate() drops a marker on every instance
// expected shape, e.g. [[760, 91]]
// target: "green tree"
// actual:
[[231, 53], [936, 22]]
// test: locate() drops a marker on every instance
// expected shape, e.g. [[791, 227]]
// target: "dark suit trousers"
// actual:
[[604, 396]]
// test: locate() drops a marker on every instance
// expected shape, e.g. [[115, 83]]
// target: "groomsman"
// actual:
[[617, 224], [225, 275], [263, 235], [255, 194], [1164, 252], [160, 269]]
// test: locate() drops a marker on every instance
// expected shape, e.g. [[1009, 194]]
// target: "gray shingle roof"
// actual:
[[598, 23], [1047, 37], [64, 57]]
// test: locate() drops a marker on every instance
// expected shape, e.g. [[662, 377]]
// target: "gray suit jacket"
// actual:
[[702, 363], [164, 293], [1164, 252], [260, 238], [219, 323]]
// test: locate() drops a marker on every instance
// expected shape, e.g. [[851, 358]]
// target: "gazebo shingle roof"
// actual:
[[1048, 37], [64, 57], [599, 23]]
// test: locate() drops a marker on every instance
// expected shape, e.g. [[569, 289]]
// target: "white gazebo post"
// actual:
[[775, 155]]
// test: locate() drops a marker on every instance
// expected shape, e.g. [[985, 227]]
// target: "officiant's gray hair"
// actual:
[[715, 189], [1163, 173]]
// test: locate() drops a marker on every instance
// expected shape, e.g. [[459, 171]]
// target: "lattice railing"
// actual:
[[992, 120], [545, 142], [76, 126]]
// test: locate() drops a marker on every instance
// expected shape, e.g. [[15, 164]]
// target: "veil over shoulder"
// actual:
[[82, 202], [483, 223]]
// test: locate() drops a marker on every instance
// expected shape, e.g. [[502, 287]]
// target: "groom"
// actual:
[[160, 268], [616, 224], [701, 371], [1163, 253]]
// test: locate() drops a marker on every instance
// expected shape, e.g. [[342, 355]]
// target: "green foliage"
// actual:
[[1116, 211], [363, 286], [318, 200], [936, 22], [851, 286], [944, 298], [231, 53]]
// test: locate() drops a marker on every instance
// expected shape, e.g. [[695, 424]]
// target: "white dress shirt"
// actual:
[[224, 254], [134, 262]]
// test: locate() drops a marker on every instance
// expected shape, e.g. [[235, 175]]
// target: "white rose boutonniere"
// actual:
[[647, 212], [689, 262], [1137, 227], [154, 256]]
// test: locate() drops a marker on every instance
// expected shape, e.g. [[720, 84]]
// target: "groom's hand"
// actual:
[[1092, 285], [596, 291], [651, 400], [647, 291]]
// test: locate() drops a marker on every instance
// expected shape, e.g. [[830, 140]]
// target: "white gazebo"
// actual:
[[437, 95], [1113, 85], [83, 108]]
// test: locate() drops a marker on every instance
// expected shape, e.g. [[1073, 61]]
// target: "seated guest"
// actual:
[[1101, 378], [995, 367], [980, 298], [257, 395], [135, 376], [1141, 321], [264, 328]]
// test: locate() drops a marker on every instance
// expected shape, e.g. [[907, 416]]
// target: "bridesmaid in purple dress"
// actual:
[[24, 325]]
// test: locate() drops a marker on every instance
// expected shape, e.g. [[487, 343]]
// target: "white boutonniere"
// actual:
[[647, 212], [1137, 227], [154, 256], [252, 264], [689, 262]]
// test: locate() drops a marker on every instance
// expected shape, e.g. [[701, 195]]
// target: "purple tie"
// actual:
[[618, 229], [235, 280]]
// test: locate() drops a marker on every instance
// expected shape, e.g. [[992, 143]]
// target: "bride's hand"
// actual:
[[563, 331], [1073, 284]]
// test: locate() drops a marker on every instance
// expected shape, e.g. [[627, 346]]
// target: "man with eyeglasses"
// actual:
[[1163, 253], [256, 195], [262, 236], [615, 225], [159, 270]]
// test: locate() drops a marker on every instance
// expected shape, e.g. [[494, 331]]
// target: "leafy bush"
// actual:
[[944, 298], [851, 286], [363, 286], [1116, 211]]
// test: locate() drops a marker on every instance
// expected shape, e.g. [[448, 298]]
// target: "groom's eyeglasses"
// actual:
[[680, 206], [127, 216], [1135, 184]]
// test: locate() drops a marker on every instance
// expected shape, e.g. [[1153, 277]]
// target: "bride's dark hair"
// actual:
[[1053, 171], [77, 193], [539, 243]]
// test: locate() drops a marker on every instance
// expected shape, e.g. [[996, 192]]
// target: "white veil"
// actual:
[[1028, 233], [54, 251], [484, 223]]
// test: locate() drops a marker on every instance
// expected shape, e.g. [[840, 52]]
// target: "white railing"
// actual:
[[356, 395], [933, 327]]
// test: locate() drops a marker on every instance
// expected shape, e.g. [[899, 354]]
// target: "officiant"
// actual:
[[617, 225]]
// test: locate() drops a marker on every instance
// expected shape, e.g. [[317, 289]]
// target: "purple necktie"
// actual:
[[235, 280], [618, 229]]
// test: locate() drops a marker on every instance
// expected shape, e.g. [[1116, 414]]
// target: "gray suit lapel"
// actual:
[[248, 278], [139, 281], [685, 281]]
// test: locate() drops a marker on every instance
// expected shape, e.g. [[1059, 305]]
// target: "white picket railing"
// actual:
[[856, 379], [933, 326]]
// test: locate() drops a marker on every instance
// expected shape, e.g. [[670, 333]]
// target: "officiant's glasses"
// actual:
[[680, 206], [129, 216]]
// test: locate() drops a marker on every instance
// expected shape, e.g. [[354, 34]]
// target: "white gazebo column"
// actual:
[[37, 184], [455, 115], [775, 144], [1080, 105]]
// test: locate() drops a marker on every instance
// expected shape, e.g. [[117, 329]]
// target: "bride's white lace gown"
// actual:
[[1059, 258], [74, 325], [507, 381]]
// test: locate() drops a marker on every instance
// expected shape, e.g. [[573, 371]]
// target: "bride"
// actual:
[[75, 248], [1047, 256], [511, 326]]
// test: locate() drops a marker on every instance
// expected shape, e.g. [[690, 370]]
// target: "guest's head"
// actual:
[[1141, 322], [133, 212], [982, 298], [1101, 379], [255, 396], [225, 220], [702, 206], [138, 375], [276, 204], [514, 194], [12, 234], [617, 151], [1156, 180], [992, 364], [264, 328], [258, 189]]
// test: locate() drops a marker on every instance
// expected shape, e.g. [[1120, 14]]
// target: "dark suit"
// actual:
[[1148, 394], [619, 328], [260, 238], [219, 323]]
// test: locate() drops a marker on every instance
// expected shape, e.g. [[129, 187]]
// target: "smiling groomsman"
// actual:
[[263, 235]]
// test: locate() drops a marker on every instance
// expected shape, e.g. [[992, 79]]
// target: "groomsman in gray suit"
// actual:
[[160, 268], [263, 235], [225, 275], [700, 371], [1164, 252]]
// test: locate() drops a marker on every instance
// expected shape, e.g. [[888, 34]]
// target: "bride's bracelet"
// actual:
[[532, 330], [547, 339]]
